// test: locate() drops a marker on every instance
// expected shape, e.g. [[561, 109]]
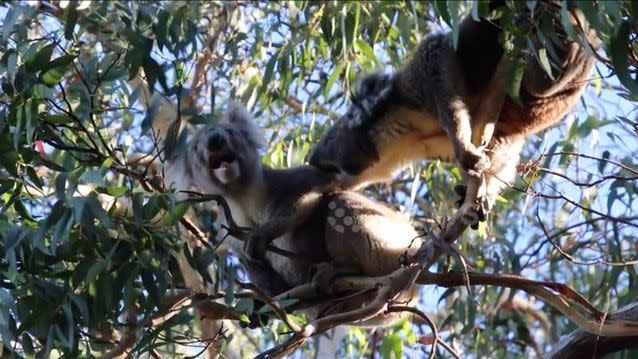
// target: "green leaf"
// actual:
[[391, 346], [98, 212], [515, 80], [30, 126], [80, 304], [618, 50], [58, 62], [12, 61], [544, 61], [442, 9], [34, 177], [51, 165], [335, 75], [18, 130], [172, 217], [27, 345], [70, 18], [603, 164], [245, 305], [10, 18], [161, 29], [70, 322], [40, 59], [52, 77], [22, 210], [91, 275], [56, 119], [116, 191], [367, 50], [566, 22], [328, 25], [244, 318], [93, 177], [150, 209]]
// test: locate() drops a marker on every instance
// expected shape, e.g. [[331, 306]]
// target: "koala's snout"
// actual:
[[314, 158], [324, 165], [215, 141]]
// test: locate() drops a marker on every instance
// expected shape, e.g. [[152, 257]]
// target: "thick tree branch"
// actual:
[[581, 344]]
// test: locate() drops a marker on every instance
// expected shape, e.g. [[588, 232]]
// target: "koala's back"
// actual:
[[433, 69]]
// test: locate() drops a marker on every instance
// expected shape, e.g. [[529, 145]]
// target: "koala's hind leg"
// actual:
[[455, 120], [435, 80], [483, 125], [325, 273], [492, 99], [504, 154], [263, 276]]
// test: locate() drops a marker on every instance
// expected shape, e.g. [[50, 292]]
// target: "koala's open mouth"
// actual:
[[218, 158]]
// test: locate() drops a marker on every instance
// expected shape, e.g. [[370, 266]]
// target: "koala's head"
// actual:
[[349, 147], [226, 158]]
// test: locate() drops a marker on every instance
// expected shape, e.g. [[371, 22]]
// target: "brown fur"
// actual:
[[399, 118]]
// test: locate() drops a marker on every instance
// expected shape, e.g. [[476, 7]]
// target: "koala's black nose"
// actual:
[[215, 141], [316, 159], [313, 158]]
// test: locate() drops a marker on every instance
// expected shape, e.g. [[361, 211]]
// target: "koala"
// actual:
[[444, 101], [329, 233]]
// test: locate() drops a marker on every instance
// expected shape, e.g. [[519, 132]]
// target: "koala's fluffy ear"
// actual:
[[372, 93], [240, 119]]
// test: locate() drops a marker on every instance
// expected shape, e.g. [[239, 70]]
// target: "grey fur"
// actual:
[[434, 108], [290, 208]]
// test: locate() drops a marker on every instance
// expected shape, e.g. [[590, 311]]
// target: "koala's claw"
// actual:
[[479, 214], [461, 190], [472, 218], [255, 246], [484, 208], [474, 162]]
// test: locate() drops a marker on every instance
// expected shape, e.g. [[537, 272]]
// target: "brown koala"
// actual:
[[396, 119], [329, 233]]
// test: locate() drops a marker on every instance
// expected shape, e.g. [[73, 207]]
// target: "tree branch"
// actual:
[[581, 344]]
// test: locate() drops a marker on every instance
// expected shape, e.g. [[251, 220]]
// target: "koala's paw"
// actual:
[[478, 214], [484, 207], [472, 218], [461, 190], [324, 275], [474, 162], [255, 246]]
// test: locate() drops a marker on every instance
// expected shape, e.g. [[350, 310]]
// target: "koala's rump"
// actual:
[[364, 234]]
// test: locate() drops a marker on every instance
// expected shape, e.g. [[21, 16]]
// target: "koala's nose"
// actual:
[[215, 141], [316, 160], [313, 158]]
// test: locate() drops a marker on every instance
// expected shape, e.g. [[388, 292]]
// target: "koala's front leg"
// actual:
[[260, 237]]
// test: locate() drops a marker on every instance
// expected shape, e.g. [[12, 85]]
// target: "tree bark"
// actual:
[[581, 344]]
